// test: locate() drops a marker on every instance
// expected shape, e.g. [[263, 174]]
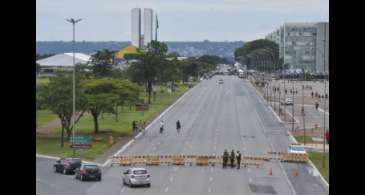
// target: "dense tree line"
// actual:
[[260, 55]]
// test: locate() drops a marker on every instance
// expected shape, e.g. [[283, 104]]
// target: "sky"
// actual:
[[179, 20]]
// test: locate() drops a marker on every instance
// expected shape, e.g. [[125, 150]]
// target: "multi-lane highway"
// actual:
[[214, 117]]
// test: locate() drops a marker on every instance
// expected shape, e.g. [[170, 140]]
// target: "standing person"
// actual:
[[232, 157], [317, 105], [238, 159], [178, 126], [140, 126], [225, 158], [144, 127], [161, 126], [134, 126], [312, 94]]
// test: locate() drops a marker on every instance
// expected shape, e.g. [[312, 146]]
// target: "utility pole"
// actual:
[[324, 105], [73, 21]]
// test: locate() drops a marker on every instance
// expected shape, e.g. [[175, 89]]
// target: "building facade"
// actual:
[[302, 45], [136, 27], [148, 26]]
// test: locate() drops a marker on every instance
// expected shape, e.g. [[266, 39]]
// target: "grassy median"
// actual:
[[301, 139], [45, 116], [317, 159], [50, 144]]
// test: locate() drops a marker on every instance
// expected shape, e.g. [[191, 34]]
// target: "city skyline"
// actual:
[[227, 20]]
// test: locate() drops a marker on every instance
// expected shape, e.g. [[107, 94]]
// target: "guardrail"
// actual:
[[204, 160]]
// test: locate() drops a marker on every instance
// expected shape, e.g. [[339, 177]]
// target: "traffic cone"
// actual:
[[296, 172], [270, 171]]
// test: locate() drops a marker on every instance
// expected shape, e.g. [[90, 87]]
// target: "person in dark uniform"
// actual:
[[134, 126], [317, 105], [232, 157], [238, 159], [178, 126], [225, 158], [312, 94]]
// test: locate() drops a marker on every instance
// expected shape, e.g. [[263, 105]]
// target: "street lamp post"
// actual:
[[73, 21], [324, 106]]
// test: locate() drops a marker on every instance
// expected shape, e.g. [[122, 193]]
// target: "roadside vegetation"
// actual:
[[106, 97], [316, 158]]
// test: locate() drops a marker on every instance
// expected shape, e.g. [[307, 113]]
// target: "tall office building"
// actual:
[[136, 27], [301, 45], [148, 25]]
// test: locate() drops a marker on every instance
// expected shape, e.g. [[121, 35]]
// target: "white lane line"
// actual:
[[210, 179], [250, 180], [209, 190], [122, 190], [171, 178], [166, 189]]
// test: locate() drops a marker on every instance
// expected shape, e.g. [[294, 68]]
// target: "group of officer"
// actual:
[[232, 159]]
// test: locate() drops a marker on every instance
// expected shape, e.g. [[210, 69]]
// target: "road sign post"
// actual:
[[80, 142]]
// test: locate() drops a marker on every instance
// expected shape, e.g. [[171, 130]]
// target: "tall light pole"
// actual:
[[324, 106], [73, 21]]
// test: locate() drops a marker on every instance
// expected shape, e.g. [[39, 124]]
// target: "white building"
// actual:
[[148, 25], [302, 45], [62, 61], [136, 27]]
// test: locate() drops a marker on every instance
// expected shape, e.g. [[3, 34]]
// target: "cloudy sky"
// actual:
[[179, 20]]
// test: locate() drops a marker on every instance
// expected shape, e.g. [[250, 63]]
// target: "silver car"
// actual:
[[136, 177]]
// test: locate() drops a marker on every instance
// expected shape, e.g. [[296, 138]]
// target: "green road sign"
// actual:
[[81, 139]]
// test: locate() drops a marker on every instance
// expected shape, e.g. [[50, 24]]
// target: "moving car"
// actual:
[[67, 165], [136, 176], [288, 101], [88, 171], [296, 149], [220, 81]]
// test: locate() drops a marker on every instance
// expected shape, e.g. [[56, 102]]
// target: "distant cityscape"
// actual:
[[188, 49]]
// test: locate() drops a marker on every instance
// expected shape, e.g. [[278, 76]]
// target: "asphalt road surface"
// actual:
[[214, 117]]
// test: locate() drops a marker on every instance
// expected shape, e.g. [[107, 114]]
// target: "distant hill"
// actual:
[[222, 49]]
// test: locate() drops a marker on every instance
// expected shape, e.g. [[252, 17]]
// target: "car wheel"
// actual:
[[130, 184]]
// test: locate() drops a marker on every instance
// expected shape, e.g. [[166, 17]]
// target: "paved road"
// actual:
[[214, 117]]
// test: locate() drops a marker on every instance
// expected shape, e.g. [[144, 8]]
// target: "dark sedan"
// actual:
[[67, 165], [88, 171]]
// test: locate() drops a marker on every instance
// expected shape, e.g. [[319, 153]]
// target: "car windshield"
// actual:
[[139, 172], [90, 167]]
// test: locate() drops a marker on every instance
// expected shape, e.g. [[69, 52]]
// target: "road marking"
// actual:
[[210, 179], [209, 190], [122, 190], [166, 189], [250, 180], [171, 178]]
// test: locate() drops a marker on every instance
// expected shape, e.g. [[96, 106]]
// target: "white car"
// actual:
[[136, 177], [296, 149], [288, 101]]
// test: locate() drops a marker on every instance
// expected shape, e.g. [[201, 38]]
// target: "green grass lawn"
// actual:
[[107, 126], [316, 158], [45, 116], [42, 80], [301, 139]]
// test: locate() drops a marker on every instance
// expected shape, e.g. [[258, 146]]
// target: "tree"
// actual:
[[57, 97], [38, 68], [102, 95], [254, 53], [102, 63], [173, 54], [150, 67]]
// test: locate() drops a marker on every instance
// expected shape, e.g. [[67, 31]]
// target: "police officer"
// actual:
[[232, 157], [225, 158], [238, 159], [178, 126], [317, 105]]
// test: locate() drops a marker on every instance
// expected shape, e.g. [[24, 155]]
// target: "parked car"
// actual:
[[296, 149], [136, 176], [288, 101], [88, 171], [67, 165]]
